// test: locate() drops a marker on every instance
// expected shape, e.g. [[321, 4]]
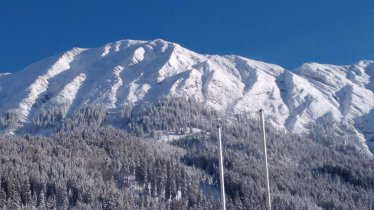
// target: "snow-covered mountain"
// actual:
[[130, 71]]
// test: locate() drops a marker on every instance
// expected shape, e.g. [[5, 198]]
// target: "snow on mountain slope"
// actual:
[[131, 71], [4, 74]]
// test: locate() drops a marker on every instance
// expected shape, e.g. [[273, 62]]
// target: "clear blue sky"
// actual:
[[287, 32]]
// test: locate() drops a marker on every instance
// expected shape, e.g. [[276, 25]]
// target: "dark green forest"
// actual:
[[94, 160]]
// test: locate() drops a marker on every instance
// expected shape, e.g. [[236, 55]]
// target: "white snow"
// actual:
[[171, 136], [106, 50], [4, 74], [131, 71], [118, 83], [66, 97], [117, 45], [40, 85], [138, 56]]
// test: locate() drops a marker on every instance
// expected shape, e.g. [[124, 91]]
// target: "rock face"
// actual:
[[131, 71]]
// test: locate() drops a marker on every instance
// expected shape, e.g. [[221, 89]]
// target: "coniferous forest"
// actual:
[[94, 160]]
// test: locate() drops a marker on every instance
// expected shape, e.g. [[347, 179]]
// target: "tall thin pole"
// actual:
[[268, 200], [220, 165]]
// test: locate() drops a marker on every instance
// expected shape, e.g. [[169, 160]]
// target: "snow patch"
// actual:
[[137, 92], [118, 83], [67, 95], [40, 85], [106, 50], [117, 46], [138, 56]]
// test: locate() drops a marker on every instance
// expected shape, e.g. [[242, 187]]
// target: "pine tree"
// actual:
[[41, 200], [154, 186], [51, 202], [161, 182], [2, 197], [13, 204], [237, 201], [26, 192], [183, 186], [109, 202], [34, 200], [65, 203]]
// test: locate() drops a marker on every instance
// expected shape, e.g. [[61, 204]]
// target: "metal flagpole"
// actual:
[[268, 200], [220, 165]]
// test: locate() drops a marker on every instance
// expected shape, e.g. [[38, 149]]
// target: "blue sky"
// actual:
[[288, 32]]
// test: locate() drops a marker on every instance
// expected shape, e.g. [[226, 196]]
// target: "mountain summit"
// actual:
[[135, 72]]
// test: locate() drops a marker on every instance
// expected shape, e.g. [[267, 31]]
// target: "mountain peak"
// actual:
[[365, 63], [135, 71]]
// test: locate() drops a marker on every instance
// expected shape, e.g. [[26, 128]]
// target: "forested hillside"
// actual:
[[87, 164]]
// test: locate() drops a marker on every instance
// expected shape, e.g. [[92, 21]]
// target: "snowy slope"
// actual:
[[131, 71]]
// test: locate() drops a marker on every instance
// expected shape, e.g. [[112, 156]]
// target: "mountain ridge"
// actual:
[[133, 72]]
